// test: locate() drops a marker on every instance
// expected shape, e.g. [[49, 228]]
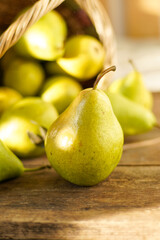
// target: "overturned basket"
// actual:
[[98, 23]]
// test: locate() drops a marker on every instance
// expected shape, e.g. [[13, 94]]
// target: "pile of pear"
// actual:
[[45, 110], [84, 144], [40, 77], [43, 71]]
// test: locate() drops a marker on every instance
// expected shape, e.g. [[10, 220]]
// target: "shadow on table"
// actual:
[[127, 188]]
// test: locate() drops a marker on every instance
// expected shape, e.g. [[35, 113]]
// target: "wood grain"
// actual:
[[126, 206], [44, 206]]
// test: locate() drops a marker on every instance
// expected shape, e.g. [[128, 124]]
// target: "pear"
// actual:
[[52, 68], [36, 109], [132, 86], [25, 76], [10, 165], [60, 91], [83, 58], [22, 127], [85, 143], [133, 117], [8, 97], [45, 39]]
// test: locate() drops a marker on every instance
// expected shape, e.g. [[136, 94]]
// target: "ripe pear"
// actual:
[[25, 76], [27, 118], [132, 86], [10, 165], [36, 109], [83, 58], [52, 68], [8, 97], [133, 117], [60, 91], [45, 39], [85, 143]]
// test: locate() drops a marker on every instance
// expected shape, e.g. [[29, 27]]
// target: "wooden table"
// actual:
[[126, 206]]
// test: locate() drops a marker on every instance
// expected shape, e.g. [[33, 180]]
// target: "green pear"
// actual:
[[25, 121], [36, 109], [25, 76], [10, 164], [85, 143], [132, 86], [83, 58], [52, 68], [60, 91], [8, 97], [133, 117], [45, 39]]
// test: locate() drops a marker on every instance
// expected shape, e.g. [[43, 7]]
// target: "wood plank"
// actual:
[[44, 206], [145, 155]]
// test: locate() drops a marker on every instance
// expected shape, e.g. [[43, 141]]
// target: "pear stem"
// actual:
[[140, 144], [132, 64], [101, 74], [36, 169]]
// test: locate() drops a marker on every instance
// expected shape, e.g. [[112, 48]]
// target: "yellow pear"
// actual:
[[133, 117], [132, 86], [8, 97], [60, 91], [52, 68], [85, 143], [25, 76], [45, 39], [25, 120], [83, 58]]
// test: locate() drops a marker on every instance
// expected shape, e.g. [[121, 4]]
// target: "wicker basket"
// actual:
[[92, 11]]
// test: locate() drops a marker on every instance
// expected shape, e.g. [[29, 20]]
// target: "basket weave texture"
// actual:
[[93, 8]]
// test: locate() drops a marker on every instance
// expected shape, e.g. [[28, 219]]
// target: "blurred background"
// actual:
[[137, 28]]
